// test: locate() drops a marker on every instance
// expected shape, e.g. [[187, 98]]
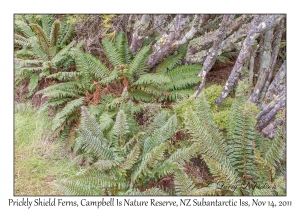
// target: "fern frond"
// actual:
[[62, 55], [65, 32], [105, 121], [47, 21], [171, 61], [92, 182], [136, 66], [54, 33], [148, 159], [34, 81], [208, 137], [223, 172], [95, 65], [82, 65], [96, 145], [123, 47], [120, 129], [20, 40], [24, 28], [69, 109], [89, 122], [104, 165], [276, 149], [179, 94], [63, 76], [37, 50], [149, 192], [153, 79], [184, 185], [160, 135], [140, 95], [131, 158], [112, 53], [42, 38]]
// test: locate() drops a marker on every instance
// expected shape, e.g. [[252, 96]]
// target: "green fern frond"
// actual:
[[149, 157], [179, 94], [89, 122], [276, 149], [160, 135], [104, 165], [62, 55], [149, 192], [64, 76], [120, 129], [33, 83], [82, 65], [184, 185], [95, 65], [24, 28], [112, 53], [47, 21], [136, 66], [37, 50], [223, 172], [140, 95], [123, 47], [69, 109], [153, 79], [171, 61], [131, 158], [105, 121], [54, 33]]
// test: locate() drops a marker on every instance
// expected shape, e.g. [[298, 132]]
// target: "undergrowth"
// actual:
[[38, 160]]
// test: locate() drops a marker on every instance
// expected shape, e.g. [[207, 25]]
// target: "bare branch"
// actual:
[[140, 29], [264, 67], [257, 27], [213, 52]]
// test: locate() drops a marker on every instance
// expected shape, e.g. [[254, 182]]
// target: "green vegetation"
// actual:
[[111, 125], [39, 161]]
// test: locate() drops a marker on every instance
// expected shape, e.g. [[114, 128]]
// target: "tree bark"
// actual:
[[264, 67], [275, 50], [271, 105], [257, 27], [279, 80], [270, 130], [140, 29], [213, 52], [265, 121], [197, 49]]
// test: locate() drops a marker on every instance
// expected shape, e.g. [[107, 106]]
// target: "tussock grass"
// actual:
[[39, 160]]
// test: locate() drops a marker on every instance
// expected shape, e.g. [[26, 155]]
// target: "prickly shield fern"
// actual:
[[41, 48], [243, 159], [182, 77], [123, 163]]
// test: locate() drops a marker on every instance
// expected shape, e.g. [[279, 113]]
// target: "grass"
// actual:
[[39, 160]]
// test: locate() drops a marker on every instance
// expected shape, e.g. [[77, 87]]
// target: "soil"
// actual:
[[220, 72]]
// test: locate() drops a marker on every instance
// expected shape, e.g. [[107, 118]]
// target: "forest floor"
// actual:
[[39, 161]]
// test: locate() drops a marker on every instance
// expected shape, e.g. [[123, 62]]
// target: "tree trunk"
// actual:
[[140, 29], [264, 67], [279, 80], [257, 27], [213, 52], [275, 50]]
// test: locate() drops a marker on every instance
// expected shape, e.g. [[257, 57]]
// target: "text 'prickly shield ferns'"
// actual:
[[243, 163], [126, 162], [41, 48]]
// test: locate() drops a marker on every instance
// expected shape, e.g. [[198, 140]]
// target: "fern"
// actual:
[[121, 168], [240, 160]]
